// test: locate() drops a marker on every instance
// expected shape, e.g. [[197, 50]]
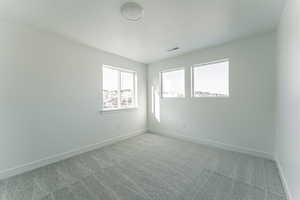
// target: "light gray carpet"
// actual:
[[150, 167]]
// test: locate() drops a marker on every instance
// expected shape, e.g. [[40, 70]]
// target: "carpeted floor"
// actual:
[[150, 167]]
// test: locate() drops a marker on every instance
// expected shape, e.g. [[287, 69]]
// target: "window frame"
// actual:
[[135, 88], [161, 82], [209, 63]]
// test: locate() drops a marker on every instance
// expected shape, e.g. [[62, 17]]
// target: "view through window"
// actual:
[[211, 80], [172, 83], [119, 88]]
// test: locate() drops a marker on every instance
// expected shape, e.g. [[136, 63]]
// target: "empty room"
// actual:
[[149, 100]]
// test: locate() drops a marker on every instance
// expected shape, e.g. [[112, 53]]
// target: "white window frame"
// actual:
[[135, 88], [204, 64], [161, 82]]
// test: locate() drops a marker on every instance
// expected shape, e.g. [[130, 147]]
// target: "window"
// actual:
[[172, 83], [119, 88], [211, 79]]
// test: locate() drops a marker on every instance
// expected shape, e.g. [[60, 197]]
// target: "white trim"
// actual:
[[119, 109], [205, 64], [218, 144], [212, 62], [119, 89], [135, 85], [171, 69], [119, 68], [135, 88], [214, 97], [192, 81], [283, 180], [62, 156]]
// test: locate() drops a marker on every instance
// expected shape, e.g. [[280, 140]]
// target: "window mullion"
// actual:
[[134, 90], [119, 89], [192, 82]]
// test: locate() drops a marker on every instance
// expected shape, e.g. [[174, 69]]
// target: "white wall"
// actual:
[[50, 96], [288, 105], [245, 121]]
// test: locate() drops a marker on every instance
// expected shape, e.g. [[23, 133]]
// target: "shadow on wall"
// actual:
[[155, 100]]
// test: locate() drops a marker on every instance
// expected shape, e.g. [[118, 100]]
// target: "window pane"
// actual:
[[173, 83], [127, 90], [110, 88], [211, 80]]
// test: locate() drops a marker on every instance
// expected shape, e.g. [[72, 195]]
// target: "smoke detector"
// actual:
[[132, 11]]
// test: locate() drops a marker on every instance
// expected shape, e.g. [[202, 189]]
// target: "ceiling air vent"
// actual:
[[173, 49]]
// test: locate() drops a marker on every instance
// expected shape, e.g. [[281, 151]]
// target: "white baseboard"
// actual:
[[283, 180], [219, 145], [55, 158]]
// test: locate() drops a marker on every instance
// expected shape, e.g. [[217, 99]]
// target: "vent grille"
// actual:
[[173, 49]]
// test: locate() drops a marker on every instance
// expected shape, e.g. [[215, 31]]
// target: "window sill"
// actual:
[[117, 109], [215, 97], [172, 97]]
